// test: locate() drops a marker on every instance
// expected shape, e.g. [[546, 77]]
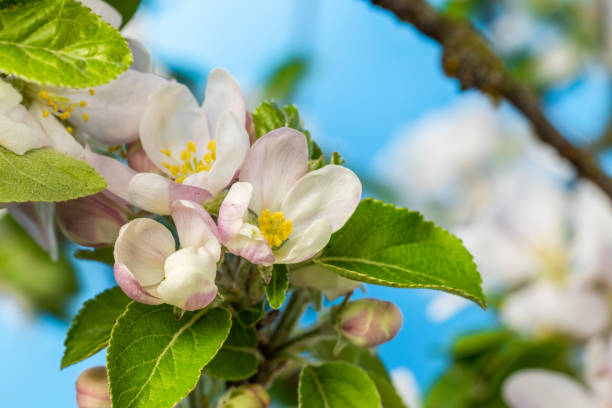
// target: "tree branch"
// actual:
[[467, 57]]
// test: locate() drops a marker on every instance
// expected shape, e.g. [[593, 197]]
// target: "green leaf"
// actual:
[[104, 255], [92, 326], [62, 43], [276, 289], [286, 78], [126, 8], [155, 360], [28, 271], [252, 314], [238, 358], [337, 385], [390, 246], [46, 175], [387, 392]]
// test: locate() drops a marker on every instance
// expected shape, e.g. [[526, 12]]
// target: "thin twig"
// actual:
[[467, 57]]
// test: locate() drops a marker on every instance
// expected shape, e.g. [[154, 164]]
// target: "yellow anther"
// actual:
[[191, 147], [185, 155], [69, 129], [274, 227], [166, 152], [208, 157], [64, 115], [69, 109], [180, 179], [92, 92], [202, 167], [83, 104], [85, 117], [212, 146], [45, 113], [43, 95]]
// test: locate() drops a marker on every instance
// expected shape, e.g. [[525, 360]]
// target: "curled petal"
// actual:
[[116, 174], [275, 162], [172, 119], [195, 227], [223, 94], [37, 219], [138, 160], [142, 247], [19, 131], [190, 279], [331, 193], [155, 193], [538, 388], [142, 57], [303, 246], [232, 147], [130, 286]]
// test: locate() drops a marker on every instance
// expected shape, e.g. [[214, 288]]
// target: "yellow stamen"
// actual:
[[166, 152], [274, 227], [85, 117], [185, 155], [45, 113], [208, 157], [191, 147], [92, 92], [64, 115], [69, 129], [69, 109], [83, 104], [212, 146]]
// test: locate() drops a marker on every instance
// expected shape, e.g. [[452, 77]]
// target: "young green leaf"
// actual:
[[103, 255], [388, 394], [46, 175], [91, 327], [276, 289], [337, 385], [252, 314], [126, 8], [28, 271], [62, 43], [155, 360], [390, 246], [238, 358]]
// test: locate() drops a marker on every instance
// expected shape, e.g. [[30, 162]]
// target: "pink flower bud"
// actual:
[[138, 159], [370, 322], [92, 389], [93, 221], [248, 396]]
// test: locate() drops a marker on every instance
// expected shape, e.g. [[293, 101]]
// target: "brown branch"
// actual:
[[467, 57]]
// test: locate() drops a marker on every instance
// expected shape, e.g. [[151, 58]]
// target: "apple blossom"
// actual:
[[279, 212], [197, 146], [317, 277], [150, 269]]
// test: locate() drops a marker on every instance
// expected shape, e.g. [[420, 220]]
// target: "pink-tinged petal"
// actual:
[[142, 247], [223, 94], [104, 10], [172, 118], [232, 147], [250, 244], [274, 164], [142, 57], [190, 279], [138, 160], [233, 210], [92, 389], [195, 226], [37, 219], [92, 221], [116, 174], [538, 388], [130, 286], [331, 193], [114, 111], [19, 131], [59, 137], [303, 246], [155, 193]]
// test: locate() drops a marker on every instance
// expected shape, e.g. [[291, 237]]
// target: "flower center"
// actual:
[[62, 107], [189, 164], [274, 227]]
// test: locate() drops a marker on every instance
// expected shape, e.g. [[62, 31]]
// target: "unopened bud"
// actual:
[[92, 389], [370, 322], [93, 221], [138, 159], [247, 396]]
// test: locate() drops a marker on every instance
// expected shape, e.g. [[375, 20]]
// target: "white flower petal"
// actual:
[[300, 247], [19, 131], [130, 286], [331, 193], [275, 162], [155, 193], [195, 226], [232, 147], [172, 118], [115, 109], [320, 278], [190, 279], [116, 174], [59, 137], [104, 10], [38, 220], [9, 97], [223, 94], [539, 388], [142, 57], [142, 247]]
